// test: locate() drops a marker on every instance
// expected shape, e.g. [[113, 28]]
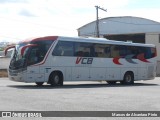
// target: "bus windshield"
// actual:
[[32, 54], [17, 61]]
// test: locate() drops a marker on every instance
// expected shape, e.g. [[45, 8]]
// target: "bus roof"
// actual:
[[103, 41], [84, 39]]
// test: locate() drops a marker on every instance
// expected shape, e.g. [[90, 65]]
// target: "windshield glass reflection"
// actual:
[[17, 60]]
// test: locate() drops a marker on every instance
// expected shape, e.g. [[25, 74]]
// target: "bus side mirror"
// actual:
[[25, 47], [6, 50]]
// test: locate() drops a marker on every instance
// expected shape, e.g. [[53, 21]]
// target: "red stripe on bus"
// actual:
[[40, 39]]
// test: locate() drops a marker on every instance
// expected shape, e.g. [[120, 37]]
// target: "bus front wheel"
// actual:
[[56, 79], [128, 79]]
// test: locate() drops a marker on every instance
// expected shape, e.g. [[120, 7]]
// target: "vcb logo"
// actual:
[[84, 60]]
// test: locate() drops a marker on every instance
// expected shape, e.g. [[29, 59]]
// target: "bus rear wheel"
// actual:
[[128, 79], [56, 79]]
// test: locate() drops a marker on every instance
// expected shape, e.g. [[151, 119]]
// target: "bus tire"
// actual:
[[128, 78], [111, 82], [56, 79], [39, 83]]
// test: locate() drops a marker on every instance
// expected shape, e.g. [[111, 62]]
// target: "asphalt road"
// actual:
[[80, 96]]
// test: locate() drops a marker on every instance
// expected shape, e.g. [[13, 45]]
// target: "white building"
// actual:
[[135, 29]]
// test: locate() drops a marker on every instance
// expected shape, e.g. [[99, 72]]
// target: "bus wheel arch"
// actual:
[[128, 78], [56, 78]]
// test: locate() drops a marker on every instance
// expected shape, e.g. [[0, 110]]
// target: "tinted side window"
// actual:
[[132, 50], [102, 50], [153, 52], [115, 51], [148, 52], [84, 49], [36, 54], [63, 48], [122, 51]]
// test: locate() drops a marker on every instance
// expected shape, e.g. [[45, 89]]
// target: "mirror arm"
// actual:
[[6, 50]]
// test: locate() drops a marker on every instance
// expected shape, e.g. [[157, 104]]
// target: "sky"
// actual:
[[22, 19]]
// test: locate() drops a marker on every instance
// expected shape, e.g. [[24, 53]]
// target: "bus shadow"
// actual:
[[74, 86]]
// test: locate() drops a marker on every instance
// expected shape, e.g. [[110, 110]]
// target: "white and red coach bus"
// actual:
[[55, 59]]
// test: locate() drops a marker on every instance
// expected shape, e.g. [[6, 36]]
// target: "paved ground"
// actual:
[[80, 96], [4, 63]]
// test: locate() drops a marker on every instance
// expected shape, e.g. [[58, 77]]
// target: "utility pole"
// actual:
[[97, 19]]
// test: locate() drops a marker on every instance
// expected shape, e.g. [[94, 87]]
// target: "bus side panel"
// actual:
[[97, 73], [68, 74], [63, 64], [114, 73], [143, 70], [33, 74], [113, 70], [129, 67], [98, 69], [80, 73], [151, 69]]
